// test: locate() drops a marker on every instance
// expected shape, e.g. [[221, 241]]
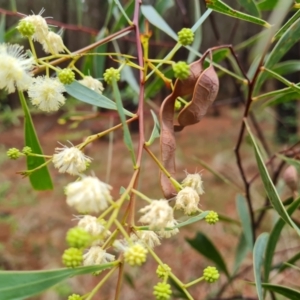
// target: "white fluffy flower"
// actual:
[[168, 233], [194, 181], [46, 93], [157, 214], [70, 160], [97, 256], [40, 24], [92, 83], [15, 68], [94, 227], [88, 195], [188, 200], [53, 43], [146, 237]]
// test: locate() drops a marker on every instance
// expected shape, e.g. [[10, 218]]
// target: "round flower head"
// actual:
[[212, 217], [72, 257], [46, 93], [188, 200], [26, 28], [53, 43], [94, 227], [97, 256], [181, 70], [163, 271], [162, 291], [211, 274], [70, 160], [135, 255], [92, 83], [194, 181], [88, 195], [157, 214], [168, 233], [40, 24], [13, 153], [146, 237], [15, 68], [111, 74], [185, 36]]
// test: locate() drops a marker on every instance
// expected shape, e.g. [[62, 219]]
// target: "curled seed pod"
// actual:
[[205, 93], [290, 178]]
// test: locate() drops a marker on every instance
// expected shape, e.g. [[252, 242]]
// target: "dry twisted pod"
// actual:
[[204, 86]]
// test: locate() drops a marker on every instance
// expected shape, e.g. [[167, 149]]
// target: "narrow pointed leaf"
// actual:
[[284, 44], [273, 239], [203, 245], [258, 256], [40, 179], [269, 186], [292, 260], [156, 129], [267, 4], [250, 6], [290, 161], [84, 94], [221, 7], [287, 67], [24, 284], [287, 292], [191, 220], [244, 215], [127, 136], [2, 28], [156, 19], [287, 25], [241, 252]]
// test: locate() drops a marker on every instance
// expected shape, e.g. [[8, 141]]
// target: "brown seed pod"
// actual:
[[204, 86], [290, 177]]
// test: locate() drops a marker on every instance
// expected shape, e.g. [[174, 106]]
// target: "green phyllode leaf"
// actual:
[[39, 179], [24, 284], [155, 19], [127, 136], [84, 94], [269, 186], [258, 256], [243, 212], [250, 6], [273, 239], [156, 129], [221, 7], [286, 41], [203, 245], [289, 293]]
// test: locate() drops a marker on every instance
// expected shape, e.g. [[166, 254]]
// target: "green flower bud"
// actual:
[[26, 28], [27, 150], [66, 76], [78, 238], [212, 217], [211, 274], [177, 105], [181, 70], [111, 74], [72, 257], [185, 36], [13, 153], [163, 271], [162, 291], [74, 297], [135, 255]]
